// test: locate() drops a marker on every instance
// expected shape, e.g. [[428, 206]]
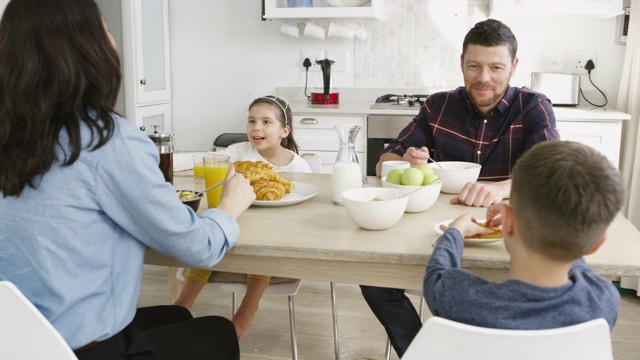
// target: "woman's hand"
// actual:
[[237, 193]]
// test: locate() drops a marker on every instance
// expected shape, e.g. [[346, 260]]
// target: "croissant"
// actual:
[[244, 165], [496, 234], [262, 171], [268, 190], [256, 174]]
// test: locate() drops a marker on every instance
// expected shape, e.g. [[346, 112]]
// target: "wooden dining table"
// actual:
[[315, 239]]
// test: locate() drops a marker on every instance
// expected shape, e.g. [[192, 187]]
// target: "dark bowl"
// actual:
[[195, 203]]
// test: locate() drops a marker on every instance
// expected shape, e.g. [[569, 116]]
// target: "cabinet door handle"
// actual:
[[308, 155], [143, 82], [309, 121]]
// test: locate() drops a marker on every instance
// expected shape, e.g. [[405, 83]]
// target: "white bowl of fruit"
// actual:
[[411, 179]]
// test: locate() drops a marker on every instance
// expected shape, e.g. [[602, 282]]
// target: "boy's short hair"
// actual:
[[564, 196], [490, 33]]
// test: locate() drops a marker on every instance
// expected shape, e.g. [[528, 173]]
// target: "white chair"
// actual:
[[415, 292], [289, 289], [314, 162], [448, 340], [24, 332]]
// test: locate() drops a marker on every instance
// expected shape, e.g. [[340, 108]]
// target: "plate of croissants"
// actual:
[[479, 239], [272, 189]]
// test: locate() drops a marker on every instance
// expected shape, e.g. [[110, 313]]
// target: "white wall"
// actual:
[[538, 37], [223, 56]]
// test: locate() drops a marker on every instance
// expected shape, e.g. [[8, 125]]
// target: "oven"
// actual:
[[381, 129]]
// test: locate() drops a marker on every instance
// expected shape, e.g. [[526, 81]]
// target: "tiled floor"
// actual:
[[360, 333]]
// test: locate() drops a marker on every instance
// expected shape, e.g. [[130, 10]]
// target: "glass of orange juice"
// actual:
[[216, 167], [198, 168]]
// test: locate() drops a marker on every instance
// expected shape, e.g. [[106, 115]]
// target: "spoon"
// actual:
[[435, 162], [421, 187], [212, 186], [430, 158]]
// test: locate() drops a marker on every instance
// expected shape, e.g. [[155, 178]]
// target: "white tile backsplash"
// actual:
[[417, 45]]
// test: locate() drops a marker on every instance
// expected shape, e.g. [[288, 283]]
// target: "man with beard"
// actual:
[[485, 121]]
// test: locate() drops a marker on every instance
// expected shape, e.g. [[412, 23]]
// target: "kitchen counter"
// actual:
[[589, 113], [346, 108], [600, 128], [578, 113]]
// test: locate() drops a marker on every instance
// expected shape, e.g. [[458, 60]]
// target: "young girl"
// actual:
[[270, 139]]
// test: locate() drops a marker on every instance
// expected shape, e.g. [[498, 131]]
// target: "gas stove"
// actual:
[[399, 102]]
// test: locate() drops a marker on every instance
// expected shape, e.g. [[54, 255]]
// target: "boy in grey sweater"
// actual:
[[563, 197]]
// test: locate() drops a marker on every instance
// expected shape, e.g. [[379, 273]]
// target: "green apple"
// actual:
[[412, 177], [429, 178], [425, 168], [394, 176]]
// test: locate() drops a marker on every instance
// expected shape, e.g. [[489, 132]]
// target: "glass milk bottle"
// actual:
[[346, 171]]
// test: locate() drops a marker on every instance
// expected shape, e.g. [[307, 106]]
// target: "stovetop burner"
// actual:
[[396, 101]]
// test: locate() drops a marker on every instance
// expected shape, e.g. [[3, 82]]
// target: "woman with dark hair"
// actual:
[[82, 195]]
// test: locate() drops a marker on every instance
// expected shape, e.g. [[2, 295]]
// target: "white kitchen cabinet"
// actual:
[[155, 117], [278, 9], [315, 134], [600, 135], [145, 53]]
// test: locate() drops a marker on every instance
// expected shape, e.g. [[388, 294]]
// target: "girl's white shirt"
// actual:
[[245, 151]]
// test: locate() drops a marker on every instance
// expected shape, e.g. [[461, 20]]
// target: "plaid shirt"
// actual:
[[454, 130]]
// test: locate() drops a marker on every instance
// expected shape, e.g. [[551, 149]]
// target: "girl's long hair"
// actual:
[[57, 70], [284, 116]]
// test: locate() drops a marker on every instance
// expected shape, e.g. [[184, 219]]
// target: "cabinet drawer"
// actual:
[[328, 158], [602, 136], [317, 132]]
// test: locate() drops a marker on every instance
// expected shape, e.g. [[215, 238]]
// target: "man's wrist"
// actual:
[[505, 189]]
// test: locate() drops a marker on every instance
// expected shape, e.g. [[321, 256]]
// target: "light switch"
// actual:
[[555, 63]]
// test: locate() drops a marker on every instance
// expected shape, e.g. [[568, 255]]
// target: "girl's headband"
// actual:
[[286, 105]]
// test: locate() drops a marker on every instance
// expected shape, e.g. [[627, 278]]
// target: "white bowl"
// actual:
[[420, 200], [368, 212], [455, 174], [387, 166]]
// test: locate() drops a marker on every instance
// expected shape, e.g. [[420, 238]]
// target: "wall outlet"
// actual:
[[579, 60], [340, 57], [313, 55]]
